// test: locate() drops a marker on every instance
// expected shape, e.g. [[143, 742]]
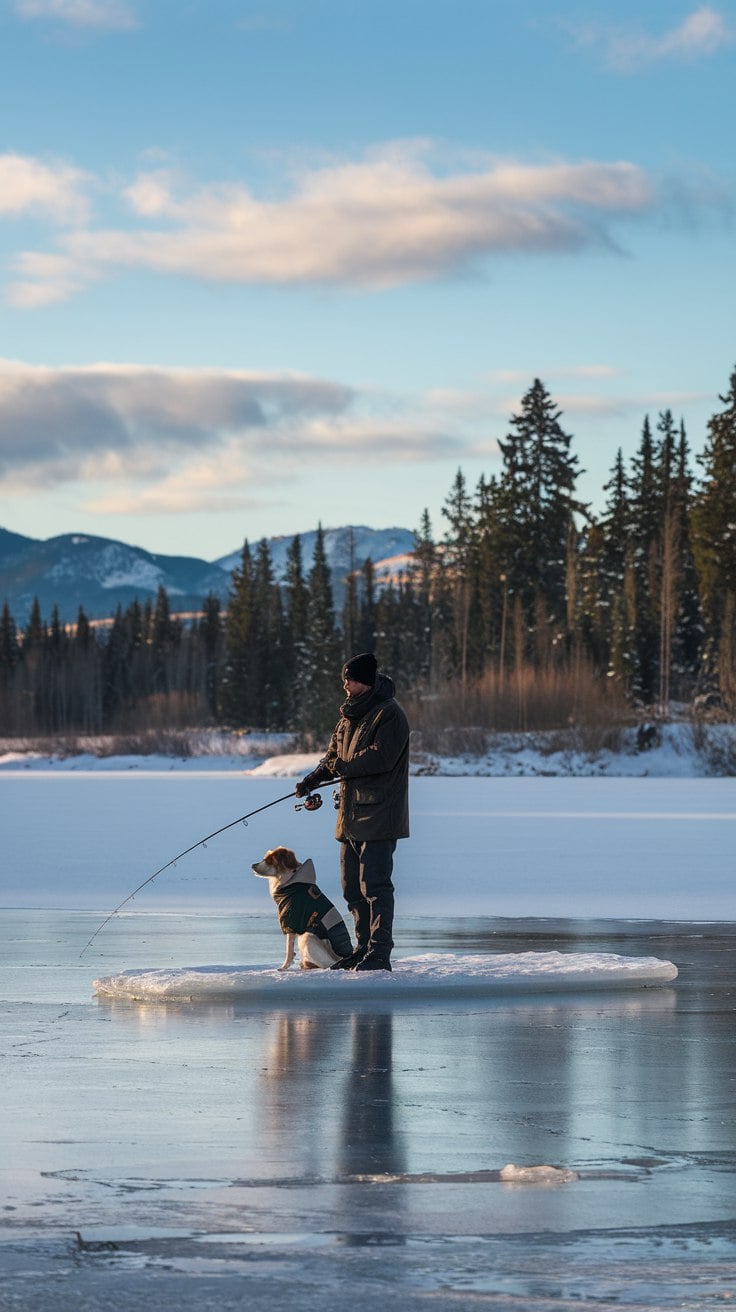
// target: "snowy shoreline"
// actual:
[[680, 750]]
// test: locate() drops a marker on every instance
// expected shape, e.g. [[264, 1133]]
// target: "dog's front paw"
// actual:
[[285, 965]]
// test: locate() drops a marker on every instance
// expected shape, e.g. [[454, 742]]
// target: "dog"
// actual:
[[306, 914]]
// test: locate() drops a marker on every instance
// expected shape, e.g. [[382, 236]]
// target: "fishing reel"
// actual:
[[312, 802]]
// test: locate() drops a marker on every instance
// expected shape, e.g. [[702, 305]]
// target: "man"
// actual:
[[369, 754]]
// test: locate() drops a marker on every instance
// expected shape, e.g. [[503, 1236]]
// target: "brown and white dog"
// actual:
[[306, 915]]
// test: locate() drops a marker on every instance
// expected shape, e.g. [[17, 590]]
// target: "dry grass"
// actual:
[[181, 743], [574, 708]]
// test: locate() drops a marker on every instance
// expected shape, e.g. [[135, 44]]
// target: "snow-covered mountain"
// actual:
[[346, 549], [102, 573], [97, 573]]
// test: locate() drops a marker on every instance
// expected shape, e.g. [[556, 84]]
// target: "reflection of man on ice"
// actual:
[[369, 755]]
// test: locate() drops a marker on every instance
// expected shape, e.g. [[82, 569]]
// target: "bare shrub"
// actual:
[[181, 743], [587, 711]]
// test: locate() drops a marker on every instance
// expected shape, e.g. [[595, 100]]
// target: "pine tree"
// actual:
[[10, 660], [238, 692], [536, 502], [34, 637], [350, 606], [116, 671], [164, 642], [267, 667], [366, 635], [211, 639], [714, 533], [491, 566], [594, 598], [320, 681], [459, 562], [424, 568], [602, 571], [83, 635], [688, 632], [9, 646], [85, 661], [296, 601], [606, 608], [646, 527]]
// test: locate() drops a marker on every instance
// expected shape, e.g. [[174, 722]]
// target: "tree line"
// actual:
[[523, 578]]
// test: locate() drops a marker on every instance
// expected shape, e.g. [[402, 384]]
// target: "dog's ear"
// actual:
[[283, 857]]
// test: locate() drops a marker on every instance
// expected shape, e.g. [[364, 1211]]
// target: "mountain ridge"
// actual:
[[81, 569]]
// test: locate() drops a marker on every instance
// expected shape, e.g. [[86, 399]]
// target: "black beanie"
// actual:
[[361, 669]]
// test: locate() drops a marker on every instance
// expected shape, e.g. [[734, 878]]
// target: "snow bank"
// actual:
[[431, 975], [679, 751]]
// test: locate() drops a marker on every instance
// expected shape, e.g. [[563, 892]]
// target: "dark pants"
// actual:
[[365, 870]]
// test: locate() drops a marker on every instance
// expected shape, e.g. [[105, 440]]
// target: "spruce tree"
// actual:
[[164, 642], [537, 501], [116, 668], [9, 646], [266, 662], [10, 659], [366, 635], [320, 681], [459, 562], [34, 636], [594, 598], [238, 692], [210, 638], [424, 567], [714, 533], [492, 567], [688, 633], [295, 604], [350, 605], [85, 661], [646, 517]]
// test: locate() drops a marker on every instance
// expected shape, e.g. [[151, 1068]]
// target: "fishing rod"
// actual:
[[311, 802]]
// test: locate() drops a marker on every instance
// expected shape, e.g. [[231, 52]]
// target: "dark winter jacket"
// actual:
[[303, 908], [369, 754]]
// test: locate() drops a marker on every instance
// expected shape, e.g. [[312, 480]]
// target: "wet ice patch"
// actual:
[[512, 1174]]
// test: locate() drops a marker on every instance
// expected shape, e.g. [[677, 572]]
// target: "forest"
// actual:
[[524, 611]]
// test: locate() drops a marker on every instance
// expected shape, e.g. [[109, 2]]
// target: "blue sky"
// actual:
[[264, 264]]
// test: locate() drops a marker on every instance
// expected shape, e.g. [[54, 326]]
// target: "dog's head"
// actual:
[[276, 864]]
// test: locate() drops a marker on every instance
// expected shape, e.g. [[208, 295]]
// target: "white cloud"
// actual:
[[582, 371], [488, 410], [29, 186], [102, 421], [702, 33], [108, 15], [168, 440], [628, 49], [382, 221]]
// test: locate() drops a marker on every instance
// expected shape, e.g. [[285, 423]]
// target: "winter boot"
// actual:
[[351, 962], [374, 961]]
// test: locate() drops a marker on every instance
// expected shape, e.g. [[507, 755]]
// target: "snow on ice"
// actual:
[[431, 975], [680, 751]]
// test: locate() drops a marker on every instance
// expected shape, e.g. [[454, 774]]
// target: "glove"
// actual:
[[305, 785]]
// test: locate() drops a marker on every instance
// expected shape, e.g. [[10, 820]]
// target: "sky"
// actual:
[[269, 263]]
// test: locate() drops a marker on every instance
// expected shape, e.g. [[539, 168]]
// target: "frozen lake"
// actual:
[[213, 1156], [516, 847]]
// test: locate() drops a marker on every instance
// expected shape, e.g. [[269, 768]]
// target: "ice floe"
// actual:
[[431, 975]]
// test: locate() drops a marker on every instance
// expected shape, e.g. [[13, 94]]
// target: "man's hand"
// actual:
[[304, 786]]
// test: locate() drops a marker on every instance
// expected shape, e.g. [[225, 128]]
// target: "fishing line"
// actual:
[[311, 802]]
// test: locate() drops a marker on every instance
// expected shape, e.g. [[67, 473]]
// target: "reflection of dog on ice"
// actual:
[[305, 912]]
